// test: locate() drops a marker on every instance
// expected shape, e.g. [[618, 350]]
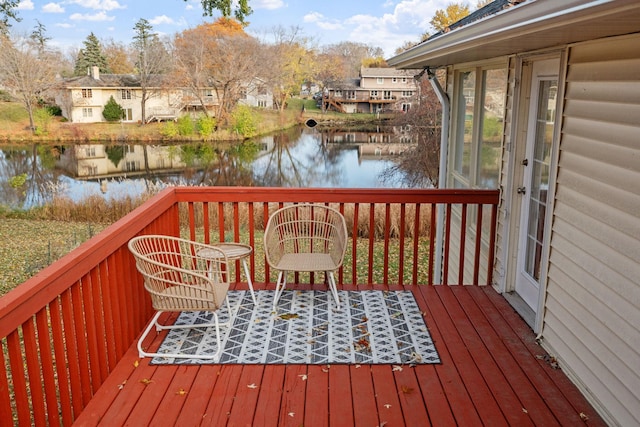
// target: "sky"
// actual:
[[387, 24]]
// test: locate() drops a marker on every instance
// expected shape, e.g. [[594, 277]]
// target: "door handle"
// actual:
[[521, 190]]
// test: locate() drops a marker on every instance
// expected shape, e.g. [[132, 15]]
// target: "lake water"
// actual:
[[299, 157]]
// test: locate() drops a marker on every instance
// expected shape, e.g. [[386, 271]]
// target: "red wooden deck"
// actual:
[[492, 373]]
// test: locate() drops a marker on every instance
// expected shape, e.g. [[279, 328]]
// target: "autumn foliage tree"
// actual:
[[218, 55], [447, 16]]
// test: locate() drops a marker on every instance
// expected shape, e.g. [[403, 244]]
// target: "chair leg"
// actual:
[[280, 285], [154, 322], [333, 288]]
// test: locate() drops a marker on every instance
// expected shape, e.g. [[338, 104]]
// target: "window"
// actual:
[[404, 80], [338, 93], [406, 107], [374, 94], [125, 94], [407, 93], [87, 93], [127, 114], [380, 80], [262, 103], [351, 94], [387, 94], [90, 151], [87, 112], [243, 93], [131, 166], [394, 80], [478, 114]]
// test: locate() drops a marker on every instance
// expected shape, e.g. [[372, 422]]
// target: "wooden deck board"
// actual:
[[489, 372]]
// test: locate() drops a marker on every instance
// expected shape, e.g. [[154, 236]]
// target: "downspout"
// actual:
[[442, 171]]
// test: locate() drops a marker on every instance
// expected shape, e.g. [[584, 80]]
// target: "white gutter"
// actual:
[[442, 171]]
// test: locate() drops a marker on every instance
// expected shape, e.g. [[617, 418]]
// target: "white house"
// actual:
[[82, 99], [561, 81]]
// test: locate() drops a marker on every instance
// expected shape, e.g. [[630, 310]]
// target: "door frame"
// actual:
[[513, 205]]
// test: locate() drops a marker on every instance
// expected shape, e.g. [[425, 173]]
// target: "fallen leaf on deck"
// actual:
[[287, 316], [252, 385], [387, 405], [397, 368], [291, 414], [136, 363], [525, 410], [146, 381], [584, 417], [303, 377], [121, 385], [406, 389], [181, 392]]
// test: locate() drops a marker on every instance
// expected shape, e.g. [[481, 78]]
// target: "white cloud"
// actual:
[[64, 25], [162, 19], [53, 8], [267, 4], [100, 16], [99, 4], [313, 17], [25, 5]]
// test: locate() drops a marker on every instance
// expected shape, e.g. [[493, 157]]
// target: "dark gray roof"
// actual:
[[487, 10], [110, 80]]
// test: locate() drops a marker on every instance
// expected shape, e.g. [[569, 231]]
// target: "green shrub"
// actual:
[[185, 125], [206, 126], [244, 122], [112, 110], [42, 118], [169, 130]]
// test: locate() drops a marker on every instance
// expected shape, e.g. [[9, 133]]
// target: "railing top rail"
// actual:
[[336, 195]]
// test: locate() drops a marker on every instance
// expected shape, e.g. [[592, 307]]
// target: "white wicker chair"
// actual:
[[179, 280], [305, 238]]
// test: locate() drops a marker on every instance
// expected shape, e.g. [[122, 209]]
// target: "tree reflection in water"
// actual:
[[298, 157]]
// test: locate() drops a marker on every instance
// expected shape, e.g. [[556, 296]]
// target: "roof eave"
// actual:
[[533, 25]]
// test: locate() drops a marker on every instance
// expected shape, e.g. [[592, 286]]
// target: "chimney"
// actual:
[[95, 72]]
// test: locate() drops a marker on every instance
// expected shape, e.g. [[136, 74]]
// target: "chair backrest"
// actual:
[[305, 228], [176, 277]]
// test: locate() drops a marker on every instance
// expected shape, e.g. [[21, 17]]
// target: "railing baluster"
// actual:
[[20, 394], [387, 230], [463, 238], [432, 242], [47, 364], [402, 231], [33, 370], [476, 254]]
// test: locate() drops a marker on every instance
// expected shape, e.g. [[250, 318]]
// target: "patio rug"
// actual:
[[371, 327]]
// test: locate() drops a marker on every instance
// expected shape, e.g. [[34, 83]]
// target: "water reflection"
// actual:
[[299, 157]]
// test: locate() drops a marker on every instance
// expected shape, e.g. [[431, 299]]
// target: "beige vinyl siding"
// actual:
[[592, 308]]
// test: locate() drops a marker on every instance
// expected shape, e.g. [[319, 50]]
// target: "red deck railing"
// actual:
[[63, 331]]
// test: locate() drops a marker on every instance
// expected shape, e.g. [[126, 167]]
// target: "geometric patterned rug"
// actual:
[[371, 327]]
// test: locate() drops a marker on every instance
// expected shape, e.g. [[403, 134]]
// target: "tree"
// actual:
[[118, 57], [240, 8], [91, 56], [27, 70], [7, 11], [112, 111], [218, 55], [418, 167], [291, 63], [445, 17], [151, 59], [354, 55]]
